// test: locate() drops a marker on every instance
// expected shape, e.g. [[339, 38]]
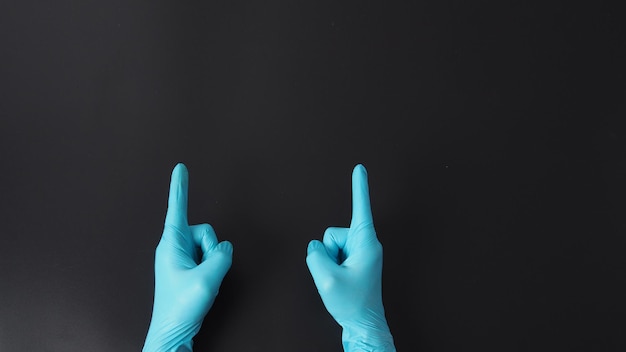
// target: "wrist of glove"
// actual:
[[375, 337], [169, 339]]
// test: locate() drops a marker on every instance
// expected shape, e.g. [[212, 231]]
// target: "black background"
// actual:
[[492, 132]]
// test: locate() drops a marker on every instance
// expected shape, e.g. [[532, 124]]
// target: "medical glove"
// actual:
[[347, 270], [188, 270]]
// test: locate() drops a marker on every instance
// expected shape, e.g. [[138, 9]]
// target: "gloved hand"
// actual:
[[347, 270], [189, 267]]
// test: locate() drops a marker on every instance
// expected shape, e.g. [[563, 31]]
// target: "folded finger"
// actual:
[[335, 241], [204, 237]]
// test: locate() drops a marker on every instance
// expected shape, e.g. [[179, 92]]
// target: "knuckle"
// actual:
[[205, 227], [205, 289], [329, 233], [329, 283]]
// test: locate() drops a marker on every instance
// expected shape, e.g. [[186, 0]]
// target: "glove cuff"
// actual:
[[370, 339], [183, 347], [169, 337]]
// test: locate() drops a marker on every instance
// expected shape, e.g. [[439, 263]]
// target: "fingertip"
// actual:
[[318, 261], [359, 174], [180, 169], [226, 247], [360, 168], [313, 246], [216, 263], [221, 253], [177, 200], [181, 174], [361, 211]]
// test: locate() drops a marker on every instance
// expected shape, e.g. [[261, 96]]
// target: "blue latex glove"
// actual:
[[347, 270], [189, 267]]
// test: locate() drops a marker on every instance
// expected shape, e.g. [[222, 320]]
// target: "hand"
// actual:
[[347, 270], [189, 267]]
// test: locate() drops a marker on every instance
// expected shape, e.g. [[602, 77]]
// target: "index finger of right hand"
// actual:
[[177, 201]]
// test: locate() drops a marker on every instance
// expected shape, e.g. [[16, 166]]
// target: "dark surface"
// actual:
[[493, 135]]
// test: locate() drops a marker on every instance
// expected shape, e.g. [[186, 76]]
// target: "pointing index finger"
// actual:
[[361, 210], [177, 202]]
